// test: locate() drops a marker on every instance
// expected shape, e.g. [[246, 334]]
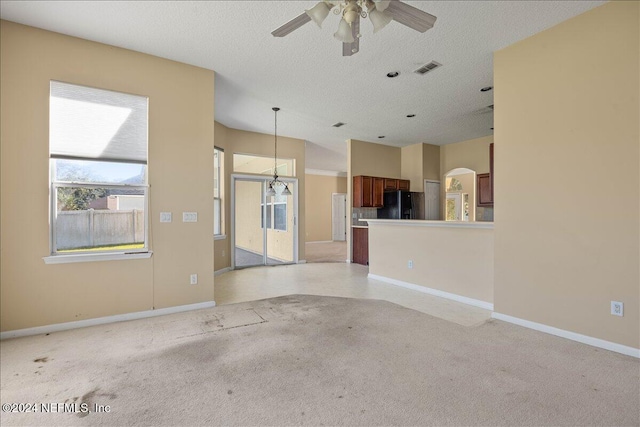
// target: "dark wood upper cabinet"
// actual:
[[390, 184], [491, 169], [377, 192], [404, 184], [484, 190], [368, 192], [485, 184]]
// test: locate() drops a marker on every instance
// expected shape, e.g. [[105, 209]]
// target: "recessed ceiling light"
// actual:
[[411, 115], [381, 136], [393, 74], [486, 89]]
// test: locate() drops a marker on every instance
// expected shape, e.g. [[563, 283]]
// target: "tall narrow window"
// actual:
[[218, 185], [98, 160]]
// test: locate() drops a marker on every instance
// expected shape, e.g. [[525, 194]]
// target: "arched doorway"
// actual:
[[460, 195]]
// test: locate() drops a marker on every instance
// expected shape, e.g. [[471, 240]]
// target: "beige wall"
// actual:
[[411, 166], [318, 201], [243, 142], [181, 140], [430, 163], [454, 260], [420, 162], [472, 154], [365, 158], [559, 116]]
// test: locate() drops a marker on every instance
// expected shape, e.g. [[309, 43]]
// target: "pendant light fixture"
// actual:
[[273, 184]]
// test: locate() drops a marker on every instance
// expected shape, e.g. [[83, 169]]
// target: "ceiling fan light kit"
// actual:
[[380, 12], [344, 33], [319, 12]]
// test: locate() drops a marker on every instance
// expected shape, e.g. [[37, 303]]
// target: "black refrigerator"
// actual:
[[402, 205]]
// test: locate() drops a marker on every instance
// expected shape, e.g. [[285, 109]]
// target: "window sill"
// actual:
[[113, 256], [219, 236]]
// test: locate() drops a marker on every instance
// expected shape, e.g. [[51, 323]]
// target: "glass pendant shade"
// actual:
[[270, 191], [381, 5], [344, 32], [318, 13], [286, 191], [379, 19]]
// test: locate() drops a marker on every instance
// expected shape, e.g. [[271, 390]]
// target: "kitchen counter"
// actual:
[[423, 223], [359, 226], [450, 259]]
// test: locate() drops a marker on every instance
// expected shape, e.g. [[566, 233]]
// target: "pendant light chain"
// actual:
[[275, 154], [271, 190]]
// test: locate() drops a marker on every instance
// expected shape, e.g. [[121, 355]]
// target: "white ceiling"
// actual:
[[305, 73]]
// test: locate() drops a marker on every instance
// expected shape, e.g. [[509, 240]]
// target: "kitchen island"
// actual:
[[445, 258]]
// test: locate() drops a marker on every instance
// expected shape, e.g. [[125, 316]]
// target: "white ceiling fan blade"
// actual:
[[349, 49], [410, 16], [292, 25]]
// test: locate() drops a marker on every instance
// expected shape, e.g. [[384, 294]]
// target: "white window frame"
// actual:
[[219, 220], [272, 211], [57, 257]]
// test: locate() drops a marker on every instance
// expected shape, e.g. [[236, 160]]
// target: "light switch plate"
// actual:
[[165, 216], [189, 216]]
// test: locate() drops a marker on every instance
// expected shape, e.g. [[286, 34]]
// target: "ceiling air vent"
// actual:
[[337, 125], [428, 67]]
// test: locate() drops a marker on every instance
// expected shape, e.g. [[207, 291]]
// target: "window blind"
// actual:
[[96, 124]]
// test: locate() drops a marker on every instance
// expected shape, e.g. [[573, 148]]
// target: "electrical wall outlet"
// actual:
[[193, 279], [189, 216], [223, 252], [165, 216], [410, 264], [617, 308]]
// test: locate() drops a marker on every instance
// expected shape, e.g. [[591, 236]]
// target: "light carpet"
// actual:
[[310, 360]]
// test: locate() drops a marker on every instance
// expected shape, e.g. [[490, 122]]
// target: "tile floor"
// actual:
[[335, 279]]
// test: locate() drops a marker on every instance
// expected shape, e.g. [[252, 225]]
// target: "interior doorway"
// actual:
[[264, 230], [339, 217], [460, 195], [431, 200]]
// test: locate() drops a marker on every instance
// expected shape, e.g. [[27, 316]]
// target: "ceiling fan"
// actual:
[[380, 12]]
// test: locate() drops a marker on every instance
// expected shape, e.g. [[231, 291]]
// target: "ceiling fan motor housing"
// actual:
[[351, 12]]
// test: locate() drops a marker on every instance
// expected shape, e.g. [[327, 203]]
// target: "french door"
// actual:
[[264, 230]]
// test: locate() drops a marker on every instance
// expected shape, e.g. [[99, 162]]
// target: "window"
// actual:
[[248, 163], [276, 210], [98, 162], [218, 174]]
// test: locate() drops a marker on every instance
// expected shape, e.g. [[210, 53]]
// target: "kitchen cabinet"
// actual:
[[485, 198], [485, 184], [396, 184], [360, 245], [368, 192]]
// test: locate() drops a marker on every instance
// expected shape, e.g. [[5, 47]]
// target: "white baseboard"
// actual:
[[57, 327], [302, 261], [222, 270], [584, 339], [320, 241], [435, 292]]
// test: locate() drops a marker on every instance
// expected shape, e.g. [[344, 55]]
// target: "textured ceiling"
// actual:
[[305, 73]]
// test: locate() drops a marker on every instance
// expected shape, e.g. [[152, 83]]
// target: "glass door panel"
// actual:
[[281, 230], [249, 219]]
